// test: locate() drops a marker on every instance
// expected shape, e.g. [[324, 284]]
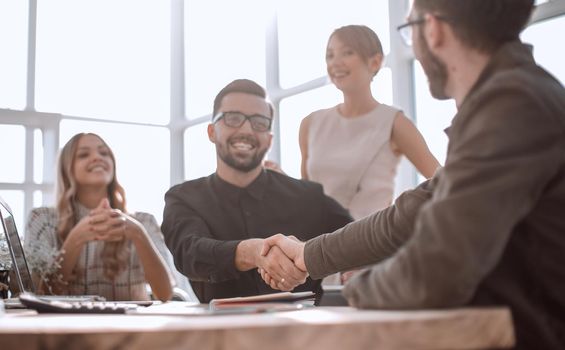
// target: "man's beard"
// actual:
[[246, 165], [435, 70]]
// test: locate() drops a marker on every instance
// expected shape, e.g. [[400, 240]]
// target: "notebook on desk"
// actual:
[[19, 262]]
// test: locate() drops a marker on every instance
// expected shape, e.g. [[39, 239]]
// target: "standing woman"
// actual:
[[89, 244], [353, 149]]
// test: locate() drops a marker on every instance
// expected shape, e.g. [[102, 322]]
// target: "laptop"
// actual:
[[19, 263]]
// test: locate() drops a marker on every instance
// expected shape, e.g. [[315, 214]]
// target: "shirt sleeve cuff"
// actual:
[[224, 254]]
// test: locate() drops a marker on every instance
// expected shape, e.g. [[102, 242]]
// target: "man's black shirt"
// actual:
[[205, 219]]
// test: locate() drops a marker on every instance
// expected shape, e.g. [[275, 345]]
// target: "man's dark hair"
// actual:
[[481, 24], [245, 86]]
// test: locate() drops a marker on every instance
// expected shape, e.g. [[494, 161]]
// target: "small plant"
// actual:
[[45, 263]]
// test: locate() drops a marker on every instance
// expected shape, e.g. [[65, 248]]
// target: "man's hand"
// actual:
[[291, 248], [279, 272], [283, 274]]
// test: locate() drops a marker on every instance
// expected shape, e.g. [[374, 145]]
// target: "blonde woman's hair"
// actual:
[[114, 254]]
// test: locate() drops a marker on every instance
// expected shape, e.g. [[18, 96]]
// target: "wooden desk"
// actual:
[[323, 328]]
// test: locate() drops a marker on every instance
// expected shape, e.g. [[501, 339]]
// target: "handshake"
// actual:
[[279, 259]]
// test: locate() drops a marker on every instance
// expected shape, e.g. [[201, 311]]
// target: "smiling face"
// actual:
[[93, 163], [347, 69], [241, 148]]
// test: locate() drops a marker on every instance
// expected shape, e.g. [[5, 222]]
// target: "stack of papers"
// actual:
[[284, 301], [265, 298]]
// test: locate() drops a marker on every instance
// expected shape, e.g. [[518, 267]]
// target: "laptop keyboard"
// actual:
[[74, 307]]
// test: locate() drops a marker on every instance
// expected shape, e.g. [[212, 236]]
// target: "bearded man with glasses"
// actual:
[[215, 226]]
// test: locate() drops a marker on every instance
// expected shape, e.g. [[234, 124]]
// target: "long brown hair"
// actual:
[[114, 254]]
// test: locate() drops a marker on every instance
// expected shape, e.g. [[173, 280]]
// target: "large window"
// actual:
[[104, 59], [12, 142], [13, 41], [224, 40]]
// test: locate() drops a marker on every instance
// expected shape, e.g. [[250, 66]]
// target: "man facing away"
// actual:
[[489, 228], [214, 226]]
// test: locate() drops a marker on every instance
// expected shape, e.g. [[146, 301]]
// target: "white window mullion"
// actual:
[[177, 98], [31, 46], [28, 186], [50, 152], [272, 76]]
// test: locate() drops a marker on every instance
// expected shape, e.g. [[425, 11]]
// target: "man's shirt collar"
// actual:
[[255, 189]]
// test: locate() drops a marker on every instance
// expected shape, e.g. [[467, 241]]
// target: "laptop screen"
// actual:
[[10, 232]]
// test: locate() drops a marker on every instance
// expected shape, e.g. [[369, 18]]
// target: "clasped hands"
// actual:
[[281, 262], [103, 223]]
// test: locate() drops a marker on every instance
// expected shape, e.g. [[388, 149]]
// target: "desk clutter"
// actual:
[[269, 303]]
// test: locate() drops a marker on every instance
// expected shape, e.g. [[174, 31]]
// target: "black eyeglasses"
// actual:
[[258, 122], [405, 29]]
